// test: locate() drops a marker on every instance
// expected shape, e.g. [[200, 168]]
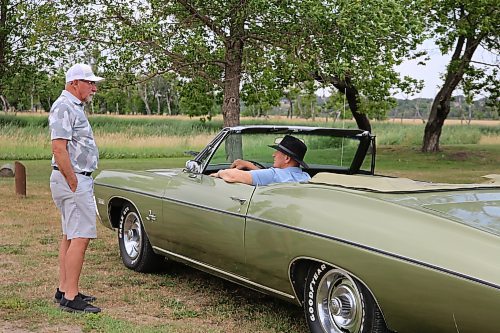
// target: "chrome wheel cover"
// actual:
[[339, 303], [132, 235]]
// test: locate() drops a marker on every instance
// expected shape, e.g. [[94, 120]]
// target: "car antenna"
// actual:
[[343, 127]]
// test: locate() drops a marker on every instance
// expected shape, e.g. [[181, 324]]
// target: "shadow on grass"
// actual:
[[230, 299]]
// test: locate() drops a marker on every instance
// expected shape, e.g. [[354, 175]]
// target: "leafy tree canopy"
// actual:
[[25, 51], [230, 43]]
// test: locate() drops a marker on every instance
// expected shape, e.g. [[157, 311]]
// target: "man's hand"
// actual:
[[61, 157], [243, 165], [73, 183]]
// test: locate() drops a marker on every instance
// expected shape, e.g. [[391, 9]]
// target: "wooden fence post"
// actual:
[[20, 175]]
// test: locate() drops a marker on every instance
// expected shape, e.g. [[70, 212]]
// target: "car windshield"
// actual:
[[324, 153]]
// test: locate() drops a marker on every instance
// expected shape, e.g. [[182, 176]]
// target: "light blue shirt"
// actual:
[[276, 175]]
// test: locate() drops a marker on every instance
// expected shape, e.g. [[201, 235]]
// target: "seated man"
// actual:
[[288, 157]]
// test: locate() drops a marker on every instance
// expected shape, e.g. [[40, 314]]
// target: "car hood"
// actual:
[[166, 172]]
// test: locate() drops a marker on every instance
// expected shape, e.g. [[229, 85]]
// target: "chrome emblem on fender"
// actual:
[[151, 216]]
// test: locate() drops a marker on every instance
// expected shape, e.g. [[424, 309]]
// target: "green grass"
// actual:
[[454, 164], [12, 249], [179, 309]]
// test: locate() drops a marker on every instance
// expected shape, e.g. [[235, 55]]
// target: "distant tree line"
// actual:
[[460, 108], [168, 95], [332, 107]]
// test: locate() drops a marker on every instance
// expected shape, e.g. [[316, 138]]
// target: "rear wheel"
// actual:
[[336, 303], [135, 250]]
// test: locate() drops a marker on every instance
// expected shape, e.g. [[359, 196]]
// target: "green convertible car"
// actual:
[[358, 251]]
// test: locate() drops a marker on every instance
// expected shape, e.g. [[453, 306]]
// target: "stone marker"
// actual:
[[20, 179], [7, 170]]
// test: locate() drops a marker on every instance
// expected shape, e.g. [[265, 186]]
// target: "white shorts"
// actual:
[[78, 210]]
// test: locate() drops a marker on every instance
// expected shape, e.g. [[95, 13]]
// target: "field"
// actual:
[[179, 299], [27, 136]]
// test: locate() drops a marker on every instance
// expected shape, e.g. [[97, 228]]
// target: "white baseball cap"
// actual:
[[81, 72]]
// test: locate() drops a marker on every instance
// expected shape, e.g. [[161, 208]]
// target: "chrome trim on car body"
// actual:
[[96, 201], [389, 254], [204, 207], [220, 271], [174, 200]]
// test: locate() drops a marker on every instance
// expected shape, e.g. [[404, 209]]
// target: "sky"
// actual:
[[433, 70], [431, 73]]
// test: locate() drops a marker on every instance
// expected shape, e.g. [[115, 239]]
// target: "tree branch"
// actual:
[[485, 63], [203, 18]]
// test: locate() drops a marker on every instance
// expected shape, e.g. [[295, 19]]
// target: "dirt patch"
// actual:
[[464, 155], [460, 156]]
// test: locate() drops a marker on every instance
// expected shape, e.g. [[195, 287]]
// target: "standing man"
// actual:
[[74, 159], [288, 158]]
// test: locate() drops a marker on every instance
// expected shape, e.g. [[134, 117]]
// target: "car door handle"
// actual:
[[241, 201]]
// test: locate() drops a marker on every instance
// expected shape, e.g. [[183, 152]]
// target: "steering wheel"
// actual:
[[257, 164]]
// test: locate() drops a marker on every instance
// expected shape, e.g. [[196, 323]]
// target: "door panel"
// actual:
[[204, 219]]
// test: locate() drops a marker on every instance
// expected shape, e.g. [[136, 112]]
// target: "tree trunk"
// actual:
[[158, 104], [5, 103], [3, 46], [441, 105], [290, 109], [232, 73], [313, 116], [299, 105], [143, 92], [347, 88], [167, 99], [232, 77]]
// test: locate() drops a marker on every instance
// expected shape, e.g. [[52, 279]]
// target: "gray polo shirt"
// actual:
[[68, 121]]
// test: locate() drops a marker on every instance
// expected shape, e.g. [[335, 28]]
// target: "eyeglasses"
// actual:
[[92, 83]]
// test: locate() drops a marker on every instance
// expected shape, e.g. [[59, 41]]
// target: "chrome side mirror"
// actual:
[[193, 166]]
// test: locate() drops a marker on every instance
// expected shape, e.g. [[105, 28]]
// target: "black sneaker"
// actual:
[[78, 305], [59, 295]]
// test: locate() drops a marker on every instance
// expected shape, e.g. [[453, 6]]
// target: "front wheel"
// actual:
[[135, 250], [335, 303]]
